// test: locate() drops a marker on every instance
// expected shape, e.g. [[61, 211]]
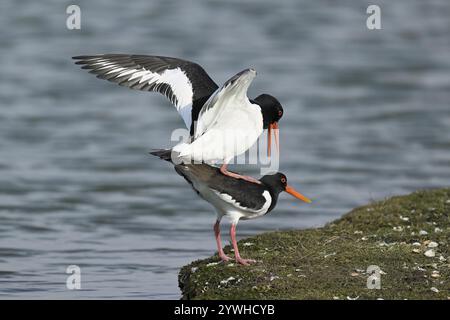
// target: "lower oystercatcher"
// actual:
[[235, 198]]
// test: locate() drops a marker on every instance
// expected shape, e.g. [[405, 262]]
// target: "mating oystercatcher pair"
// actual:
[[223, 123]]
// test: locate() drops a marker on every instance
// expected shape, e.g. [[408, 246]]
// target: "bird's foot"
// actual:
[[224, 257], [245, 262], [238, 176], [250, 179]]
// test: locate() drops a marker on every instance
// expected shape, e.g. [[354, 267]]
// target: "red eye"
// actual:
[[283, 180], [280, 113]]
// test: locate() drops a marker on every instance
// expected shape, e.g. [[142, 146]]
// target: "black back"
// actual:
[[247, 194]]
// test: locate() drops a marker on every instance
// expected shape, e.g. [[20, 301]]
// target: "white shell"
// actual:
[[430, 253], [433, 244]]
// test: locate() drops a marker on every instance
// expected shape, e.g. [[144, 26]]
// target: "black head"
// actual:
[[271, 109], [277, 183]]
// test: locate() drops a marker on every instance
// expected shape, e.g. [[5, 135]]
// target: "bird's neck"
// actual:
[[274, 193]]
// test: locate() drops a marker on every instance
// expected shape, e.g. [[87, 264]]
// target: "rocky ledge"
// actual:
[[405, 239]]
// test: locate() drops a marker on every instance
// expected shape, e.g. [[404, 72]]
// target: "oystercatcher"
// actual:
[[235, 198], [223, 122]]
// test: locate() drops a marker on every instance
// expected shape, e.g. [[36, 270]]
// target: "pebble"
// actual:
[[434, 289], [421, 269], [329, 255], [423, 233], [430, 253], [399, 228], [212, 264], [435, 274], [227, 280], [404, 218], [416, 244], [274, 277], [433, 244], [442, 259], [437, 230], [416, 250]]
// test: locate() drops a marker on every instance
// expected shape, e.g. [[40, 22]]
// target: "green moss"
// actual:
[[331, 262]]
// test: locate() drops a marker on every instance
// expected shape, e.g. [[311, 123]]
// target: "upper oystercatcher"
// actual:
[[223, 122], [234, 198]]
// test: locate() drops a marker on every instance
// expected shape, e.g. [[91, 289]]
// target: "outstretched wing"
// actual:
[[233, 89], [183, 82]]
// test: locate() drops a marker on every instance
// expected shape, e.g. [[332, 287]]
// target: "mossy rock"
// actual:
[[331, 262]]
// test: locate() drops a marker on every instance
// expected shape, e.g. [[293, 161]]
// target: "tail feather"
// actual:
[[164, 154], [182, 149], [174, 155]]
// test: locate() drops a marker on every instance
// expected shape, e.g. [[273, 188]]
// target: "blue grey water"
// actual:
[[367, 115]]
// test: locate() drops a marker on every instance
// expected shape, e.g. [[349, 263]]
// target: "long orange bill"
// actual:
[[274, 127], [297, 194]]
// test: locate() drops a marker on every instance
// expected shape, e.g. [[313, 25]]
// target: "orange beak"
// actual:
[[296, 194], [273, 126]]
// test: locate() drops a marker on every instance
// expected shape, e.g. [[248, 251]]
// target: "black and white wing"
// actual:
[[184, 83], [234, 89], [239, 193]]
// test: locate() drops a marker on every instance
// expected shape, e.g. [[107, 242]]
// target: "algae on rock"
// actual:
[[407, 237]]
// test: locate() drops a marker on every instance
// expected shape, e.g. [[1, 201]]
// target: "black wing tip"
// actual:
[[85, 60], [89, 59], [85, 57]]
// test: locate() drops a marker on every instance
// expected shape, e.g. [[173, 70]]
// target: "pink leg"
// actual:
[[222, 254], [240, 260], [224, 171]]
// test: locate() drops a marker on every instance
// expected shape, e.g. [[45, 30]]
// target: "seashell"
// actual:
[[430, 253], [433, 244]]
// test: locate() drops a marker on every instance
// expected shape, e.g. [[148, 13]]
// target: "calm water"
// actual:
[[367, 115]]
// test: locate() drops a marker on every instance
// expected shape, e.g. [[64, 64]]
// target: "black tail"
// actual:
[[165, 154]]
